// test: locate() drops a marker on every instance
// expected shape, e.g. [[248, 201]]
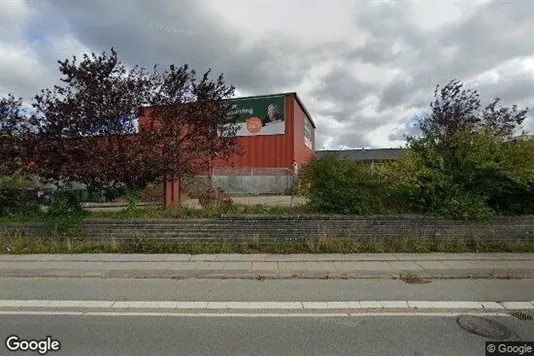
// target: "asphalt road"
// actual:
[[131, 332], [267, 290], [150, 335]]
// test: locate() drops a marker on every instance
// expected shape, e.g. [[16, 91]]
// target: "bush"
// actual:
[[133, 196], [64, 202], [337, 185], [471, 177], [14, 195], [464, 206], [65, 213]]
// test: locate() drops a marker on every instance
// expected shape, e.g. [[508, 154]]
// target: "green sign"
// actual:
[[260, 116], [308, 132]]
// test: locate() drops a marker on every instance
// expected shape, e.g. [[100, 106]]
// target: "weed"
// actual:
[[413, 279], [255, 242]]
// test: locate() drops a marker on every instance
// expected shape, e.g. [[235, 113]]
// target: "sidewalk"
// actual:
[[380, 265]]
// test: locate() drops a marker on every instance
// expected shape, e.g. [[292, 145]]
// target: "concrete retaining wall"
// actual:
[[296, 228]]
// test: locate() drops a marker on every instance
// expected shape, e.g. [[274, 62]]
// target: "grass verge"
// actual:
[[176, 212], [20, 244]]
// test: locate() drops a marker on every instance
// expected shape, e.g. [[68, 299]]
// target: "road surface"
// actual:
[[161, 335], [103, 330]]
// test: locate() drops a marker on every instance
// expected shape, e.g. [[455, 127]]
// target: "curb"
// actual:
[[216, 274], [254, 305]]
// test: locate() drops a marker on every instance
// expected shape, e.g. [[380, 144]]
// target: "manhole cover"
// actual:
[[484, 327]]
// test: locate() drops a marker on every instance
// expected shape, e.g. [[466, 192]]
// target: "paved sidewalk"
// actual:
[[380, 265]]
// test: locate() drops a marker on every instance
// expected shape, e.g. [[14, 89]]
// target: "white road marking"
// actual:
[[11, 303], [35, 303], [315, 305], [96, 304], [456, 305], [192, 305], [260, 305], [419, 305], [66, 304], [491, 305], [29, 312], [371, 304], [394, 304], [518, 305], [339, 305]]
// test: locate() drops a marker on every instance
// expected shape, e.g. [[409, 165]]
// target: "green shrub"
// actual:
[[464, 206], [336, 185], [64, 202], [65, 214], [133, 195], [14, 195]]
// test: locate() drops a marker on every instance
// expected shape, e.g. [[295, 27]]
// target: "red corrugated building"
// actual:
[[277, 132]]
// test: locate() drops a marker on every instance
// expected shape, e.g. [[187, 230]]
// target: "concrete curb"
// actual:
[[254, 305], [217, 274]]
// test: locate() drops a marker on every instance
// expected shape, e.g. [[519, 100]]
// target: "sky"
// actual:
[[364, 69]]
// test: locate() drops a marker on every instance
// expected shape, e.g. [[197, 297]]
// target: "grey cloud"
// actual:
[[165, 32], [397, 92], [410, 128], [353, 139], [514, 89], [497, 32], [528, 124], [356, 126], [388, 25], [186, 32], [341, 86]]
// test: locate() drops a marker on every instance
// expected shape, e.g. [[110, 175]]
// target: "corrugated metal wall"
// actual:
[[269, 150], [301, 152]]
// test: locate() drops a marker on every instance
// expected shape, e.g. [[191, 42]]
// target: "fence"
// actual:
[[239, 181], [43, 196], [153, 193], [244, 181]]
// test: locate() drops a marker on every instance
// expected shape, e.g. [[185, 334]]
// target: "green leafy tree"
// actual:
[[14, 131], [466, 163]]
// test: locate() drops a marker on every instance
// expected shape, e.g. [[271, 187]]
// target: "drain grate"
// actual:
[[484, 327], [522, 315]]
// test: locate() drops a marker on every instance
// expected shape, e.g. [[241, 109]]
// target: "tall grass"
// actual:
[[21, 244]]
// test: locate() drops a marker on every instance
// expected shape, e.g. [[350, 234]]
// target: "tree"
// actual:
[[196, 116], [87, 131], [455, 109], [189, 122], [465, 164], [86, 127], [13, 146]]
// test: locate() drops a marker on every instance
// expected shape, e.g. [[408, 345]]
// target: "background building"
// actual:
[[365, 155], [277, 136]]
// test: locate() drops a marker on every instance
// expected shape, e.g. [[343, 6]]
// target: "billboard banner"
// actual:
[[260, 116], [308, 132]]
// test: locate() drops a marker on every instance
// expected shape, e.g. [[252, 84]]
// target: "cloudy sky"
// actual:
[[362, 68]]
